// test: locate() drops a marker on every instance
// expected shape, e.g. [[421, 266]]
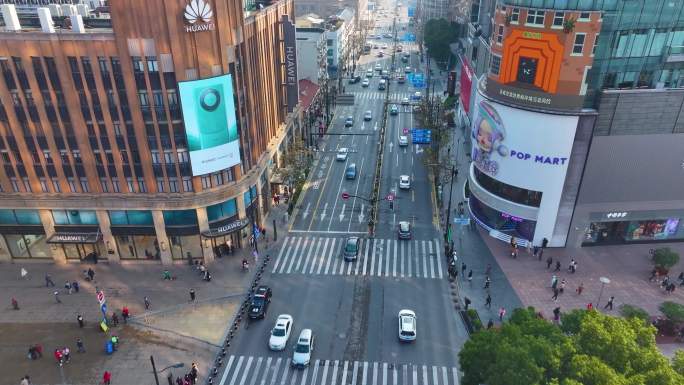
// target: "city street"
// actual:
[[352, 306]]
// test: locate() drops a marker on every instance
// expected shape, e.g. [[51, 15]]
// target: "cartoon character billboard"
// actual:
[[210, 123]]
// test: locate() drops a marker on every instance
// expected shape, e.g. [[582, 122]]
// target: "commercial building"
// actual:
[[567, 102], [146, 130]]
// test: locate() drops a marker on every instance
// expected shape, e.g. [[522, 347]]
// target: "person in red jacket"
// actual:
[[59, 356], [107, 378]]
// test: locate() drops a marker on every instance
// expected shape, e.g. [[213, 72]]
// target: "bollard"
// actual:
[[215, 371], [211, 381], [219, 362], [223, 352]]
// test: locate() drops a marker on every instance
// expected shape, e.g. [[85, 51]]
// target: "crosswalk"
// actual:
[[311, 255], [249, 370], [371, 95]]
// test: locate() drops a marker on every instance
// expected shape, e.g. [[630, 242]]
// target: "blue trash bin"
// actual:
[[109, 347]]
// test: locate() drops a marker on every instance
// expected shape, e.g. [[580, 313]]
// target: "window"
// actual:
[[46, 155], [117, 128], [187, 184], [43, 185], [115, 185], [138, 65], [55, 185], [84, 185], [72, 185], [141, 185], [168, 157], [495, 65], [160, 184], [76, 154], [104, 185], [144, 99], [173, 185], [152, 64], [27, 184], [578, 45], [155, 157], [206, 182], [15, 184], [584, 16], [129, 182], [183, 156], [499, 34], [535, 17], [515, 15], [558, 19], [64, 155], [124, 157], [6, 157], [172, 97], [218, 179], [593, 49]]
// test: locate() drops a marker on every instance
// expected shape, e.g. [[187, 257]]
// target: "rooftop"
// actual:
[[307, 92]]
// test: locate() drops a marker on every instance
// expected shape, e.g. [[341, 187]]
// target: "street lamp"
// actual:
[[604, 282], [154, 370]]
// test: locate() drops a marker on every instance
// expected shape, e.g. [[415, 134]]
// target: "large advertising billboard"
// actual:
[[467, 76], [540, 68], [525, 149], [210, 123]]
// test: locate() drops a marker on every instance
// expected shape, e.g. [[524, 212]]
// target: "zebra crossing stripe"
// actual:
[[315, 372], [425, 375], [372, 266], [285, 374], [280, 255], [404, 372], [425, 257], [237, 369], [402, 251], [375, 372], [455, 374], [318, 257], [314, 245], [435, 378], [225, 374], [289, 252], [321, 259], [275, 371], [384, 373], [445, 377], [249, 365], [394, 260], [432, 260], [294, 255], [304, 375], [439, 258], [365, 258], [365, 372], [256, 370], [301, 256], [324, 380], [334, 374], [329, 255], [344, 373], [268, 366], [415, 375], [355, 372], [409, 259]]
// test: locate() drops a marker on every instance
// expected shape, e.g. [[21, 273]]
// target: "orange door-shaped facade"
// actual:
[[532, 57]]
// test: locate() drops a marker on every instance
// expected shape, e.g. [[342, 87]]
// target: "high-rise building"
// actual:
[[574, 115], [141, 130]]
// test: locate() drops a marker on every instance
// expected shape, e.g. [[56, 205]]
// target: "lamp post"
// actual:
[[604, 282], [155, 372]]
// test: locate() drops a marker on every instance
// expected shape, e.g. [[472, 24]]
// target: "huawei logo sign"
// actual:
[[198, 14]]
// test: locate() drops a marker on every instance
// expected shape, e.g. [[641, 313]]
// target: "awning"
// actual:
[[226, 229], [74, 238]]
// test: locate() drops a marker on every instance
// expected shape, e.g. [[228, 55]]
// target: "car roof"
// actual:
[[403, 137], [305, 334], [403, 176], [261, 290], [352, 239]]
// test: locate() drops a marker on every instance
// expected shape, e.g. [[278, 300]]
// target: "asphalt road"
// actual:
[[352, 307]]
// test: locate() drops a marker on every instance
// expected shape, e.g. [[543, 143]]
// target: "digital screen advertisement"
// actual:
[[519, 147], [210, 123]]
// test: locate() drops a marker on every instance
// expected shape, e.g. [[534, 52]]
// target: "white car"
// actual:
[[405, 101], [378, 67], [280, 332], [342, 154], [302, 352], [403, 140], [365, 82], [404, 182], [368, 116], [407, 325]]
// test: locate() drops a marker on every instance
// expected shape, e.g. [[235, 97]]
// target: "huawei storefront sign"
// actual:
[[198, 16]]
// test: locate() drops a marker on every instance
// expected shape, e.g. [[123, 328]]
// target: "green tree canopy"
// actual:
[[590, 349], [438, 34]]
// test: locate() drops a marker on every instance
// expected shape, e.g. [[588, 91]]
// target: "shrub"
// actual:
[[665, 258], [673, 311], [630, 311], [474, 319]]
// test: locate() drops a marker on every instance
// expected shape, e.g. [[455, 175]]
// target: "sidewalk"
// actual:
[[173, 329], [627, 266]]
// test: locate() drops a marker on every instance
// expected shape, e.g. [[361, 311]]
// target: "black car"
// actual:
[[260, 301], [354, 79], [350, 250]]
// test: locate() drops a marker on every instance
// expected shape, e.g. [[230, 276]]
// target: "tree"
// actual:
[[439, 34], [664, 258], [673, 311], [295, 162], [591, 349]]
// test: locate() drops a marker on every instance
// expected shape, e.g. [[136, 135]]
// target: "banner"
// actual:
[[210, 123], [290, 42]]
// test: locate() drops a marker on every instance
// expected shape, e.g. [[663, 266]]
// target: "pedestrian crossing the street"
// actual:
[[248, 370], [376, 257]]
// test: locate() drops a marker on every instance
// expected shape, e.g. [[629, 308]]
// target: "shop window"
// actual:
[[253, 192], [508, 192], [180, 217], [218, 211], [19, 217], [74, 217], [131, 217]]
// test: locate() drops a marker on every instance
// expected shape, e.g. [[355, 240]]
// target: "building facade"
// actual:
[[564, 101], [101, 155]]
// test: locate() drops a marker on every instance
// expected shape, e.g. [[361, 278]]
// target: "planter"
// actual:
[[471, 320]]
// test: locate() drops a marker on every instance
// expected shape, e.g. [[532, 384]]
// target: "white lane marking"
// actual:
[[330, 256], [225, 373], [354, 372], [321, 257], [375, 373], [365, 372], [424, 258], [256, 371], [280, 254], [365, 258], [372, 266], [394, 259], [324, 379], [266, 370], [315, 372], [314, 244], [439, 259], [294, 255], [382, 242], [432, 260], [300, 256], [244, 374], [237, 369]]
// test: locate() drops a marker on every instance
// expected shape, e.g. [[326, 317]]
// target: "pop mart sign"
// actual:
[[199, 16]]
